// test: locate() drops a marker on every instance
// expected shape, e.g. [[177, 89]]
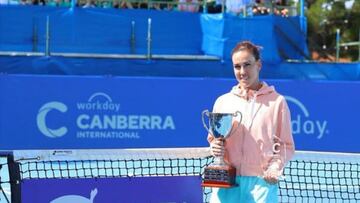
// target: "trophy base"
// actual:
[[217, 184], [219, 176]]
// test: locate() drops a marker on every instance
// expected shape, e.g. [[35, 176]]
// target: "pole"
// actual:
[[302, 16], [14, 176], [359, 46], [223, 7], [47, 37], [73, 4], [337, 44], [35, 36], [149, 40], [204, 6], [302, 9], [132, 39]]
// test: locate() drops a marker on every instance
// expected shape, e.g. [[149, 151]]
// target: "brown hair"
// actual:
[[249, 46]]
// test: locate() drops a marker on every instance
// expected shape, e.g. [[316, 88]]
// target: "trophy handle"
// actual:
[[205, 113], [240, 114]]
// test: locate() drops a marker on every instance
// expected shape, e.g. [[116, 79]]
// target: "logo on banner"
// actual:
[[303, 124], [76, 198], [41, 119], [100, 117]]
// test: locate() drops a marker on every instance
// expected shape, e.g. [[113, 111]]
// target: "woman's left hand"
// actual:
[[271, 176]]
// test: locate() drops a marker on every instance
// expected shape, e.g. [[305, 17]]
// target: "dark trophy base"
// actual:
[[219, 176]]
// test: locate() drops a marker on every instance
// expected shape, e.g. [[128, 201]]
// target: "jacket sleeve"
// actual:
[[284, 147]]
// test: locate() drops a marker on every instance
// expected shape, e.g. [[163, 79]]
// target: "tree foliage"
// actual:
[[325, 17]]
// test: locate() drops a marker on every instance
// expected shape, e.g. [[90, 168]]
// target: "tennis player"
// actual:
[[259, 146]]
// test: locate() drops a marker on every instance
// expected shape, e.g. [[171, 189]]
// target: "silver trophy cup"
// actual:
[[219, 174]]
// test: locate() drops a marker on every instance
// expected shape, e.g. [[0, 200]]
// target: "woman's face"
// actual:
[[246, 69]]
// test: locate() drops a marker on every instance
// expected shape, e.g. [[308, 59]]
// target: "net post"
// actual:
[[14, 176]]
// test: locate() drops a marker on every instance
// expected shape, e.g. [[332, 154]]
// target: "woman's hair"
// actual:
[[248, 46]]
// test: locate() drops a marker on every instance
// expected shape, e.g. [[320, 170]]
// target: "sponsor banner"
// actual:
[[323, 114], [52, 112], [182, 189], [70, 112]]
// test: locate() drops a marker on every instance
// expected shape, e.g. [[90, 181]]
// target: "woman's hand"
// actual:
[[217, 147], [271, 175]]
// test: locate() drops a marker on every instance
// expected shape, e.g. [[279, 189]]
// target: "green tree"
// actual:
[[325, 17]]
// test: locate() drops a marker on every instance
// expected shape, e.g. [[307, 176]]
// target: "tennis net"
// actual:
[[321, 177], [309, 177]]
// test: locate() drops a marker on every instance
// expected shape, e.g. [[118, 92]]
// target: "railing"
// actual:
[[292, 8], [345, 44], [269, 8], [148, 56]]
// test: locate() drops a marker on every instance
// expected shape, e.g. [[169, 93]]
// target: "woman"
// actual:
[[259, 146]]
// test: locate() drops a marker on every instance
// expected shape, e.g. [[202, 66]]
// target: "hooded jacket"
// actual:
[[263, 139]]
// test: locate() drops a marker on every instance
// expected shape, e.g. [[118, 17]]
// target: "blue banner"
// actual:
[[98, 30], [323, 114], [71, 112], [47, 112], [139, 189]]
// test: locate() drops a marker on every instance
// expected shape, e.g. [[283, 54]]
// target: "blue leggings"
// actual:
[[250, 189]]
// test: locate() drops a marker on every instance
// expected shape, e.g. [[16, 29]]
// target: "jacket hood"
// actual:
[[248, 94]]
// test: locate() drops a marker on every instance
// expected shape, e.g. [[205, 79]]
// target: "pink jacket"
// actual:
[[264, 137]]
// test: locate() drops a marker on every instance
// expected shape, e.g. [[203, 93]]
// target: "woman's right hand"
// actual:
[[217, 147]]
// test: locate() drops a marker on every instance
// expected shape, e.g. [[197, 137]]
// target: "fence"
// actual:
[[257, 7], [340, 44]]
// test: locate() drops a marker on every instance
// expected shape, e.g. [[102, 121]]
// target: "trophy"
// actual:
[[219, 174]]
